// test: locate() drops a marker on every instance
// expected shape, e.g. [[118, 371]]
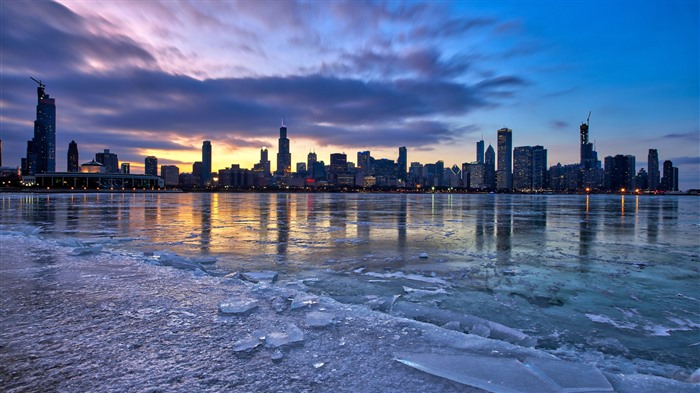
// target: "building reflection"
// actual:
[[205, 222], [401, 223], [283, 206], [503, 206], [586, 233], [652, 216]]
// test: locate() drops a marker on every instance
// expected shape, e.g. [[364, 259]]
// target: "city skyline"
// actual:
[[443, 75]]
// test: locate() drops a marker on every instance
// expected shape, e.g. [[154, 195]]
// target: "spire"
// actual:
[[283, 122]]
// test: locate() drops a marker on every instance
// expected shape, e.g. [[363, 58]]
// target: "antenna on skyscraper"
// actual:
[[589, 117], [39, 82], [283, 125]]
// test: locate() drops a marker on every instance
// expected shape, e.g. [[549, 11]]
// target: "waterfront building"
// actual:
[[93, 167], [264, 161], [206, 164], [490, 168], [310, 162], [41, 150], [151, 166], [301, 168], [109, 160], [522, 168], [284, 157], [641, 181], [339, 165], [402, 164], [126, 168], [364, 162], [653, 169], [504, 175], [197, 173], [473, 175], [539, 168], [73, 165], [620, 172], [670, 180], [170, 175]]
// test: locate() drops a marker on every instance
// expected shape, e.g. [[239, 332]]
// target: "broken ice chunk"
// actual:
[[488, 373], [319, 319], [292, 334], [265, 276], [423, 255], [319, 364], [87, 250], [571, 377], [277, 355], [205, 260], [169, 259], [246, 344], [238, 306], [303, 300]]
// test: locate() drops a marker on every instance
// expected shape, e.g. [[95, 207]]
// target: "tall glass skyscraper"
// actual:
[[284, 157], [504, 174], [41, 150], [402, 163], [653, 169], [206, 163], [490, 168], [480, 152], [151, 165]]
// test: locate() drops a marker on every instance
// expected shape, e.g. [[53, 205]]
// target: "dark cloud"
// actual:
[[685, 160], [558, 124]]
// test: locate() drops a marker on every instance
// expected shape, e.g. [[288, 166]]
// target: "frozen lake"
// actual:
[[611, 280]]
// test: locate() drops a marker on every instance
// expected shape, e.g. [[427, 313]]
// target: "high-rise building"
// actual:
[[264, 161], [126, 168], [339, 164], [301, 168], [41, 150], [402, 164], [206, 164], [310, 163], [109, 160], [667, 182], [504, 175], [197, 173], [620, 172], [151, 166], [284, 157], [653, 169], [480, 152], [490, 168], [522, 168], [364, 162], [170, 175], [539, 168], [73, 164], [641, 181]]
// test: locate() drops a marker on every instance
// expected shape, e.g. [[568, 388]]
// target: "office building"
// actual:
[[653, 169], [539, 168], [197, 173], [364, 162], [310, 163], [620, 172], [480, 152], [522, 168], [490, 168], [151, 166], [669, 182], [504, 175], [41, 150], [170, 175], [126, 168], [109, 160], [284, 157], [206, 164], [73, 165], [339, 165], [301, 168], [402, 164]]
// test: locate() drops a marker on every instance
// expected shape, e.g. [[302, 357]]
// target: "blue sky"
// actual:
[[157, 78]]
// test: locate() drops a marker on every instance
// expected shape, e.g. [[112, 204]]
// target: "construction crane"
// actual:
[[39, 82], [589, 117]]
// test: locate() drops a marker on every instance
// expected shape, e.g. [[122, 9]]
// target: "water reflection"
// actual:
[[504, 216], [283, 220]]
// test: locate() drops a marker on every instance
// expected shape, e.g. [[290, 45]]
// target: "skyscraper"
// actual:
[[653, 169], [206, 163], [73, 165], [339, 164], [310, 161], [264, 161], [504, 175], [284, 157], [364, 162], [402, 163], [620, 172], [522, 168], [41, 150], [151, 166], [480, 152], [539, 168], [126, 168], [490, 168], [667, 180]]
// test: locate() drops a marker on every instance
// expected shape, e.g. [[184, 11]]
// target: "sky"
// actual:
[[159, 77]]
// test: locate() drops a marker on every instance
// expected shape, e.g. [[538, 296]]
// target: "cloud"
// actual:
[[685, 160], [558, 124]]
